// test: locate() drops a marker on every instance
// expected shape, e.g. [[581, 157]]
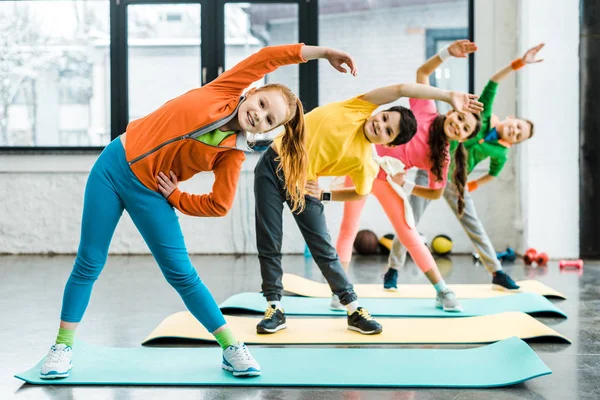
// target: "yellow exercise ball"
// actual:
[[441, 244]]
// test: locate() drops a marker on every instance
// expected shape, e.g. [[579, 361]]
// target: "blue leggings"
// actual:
[[111, 188]]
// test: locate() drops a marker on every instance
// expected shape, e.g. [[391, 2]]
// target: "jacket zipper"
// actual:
[[194, 134]]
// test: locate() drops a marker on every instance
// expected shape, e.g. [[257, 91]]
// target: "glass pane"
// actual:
[[163, 54], [54, 73], [451, 75], [388, 40], [249, 27]]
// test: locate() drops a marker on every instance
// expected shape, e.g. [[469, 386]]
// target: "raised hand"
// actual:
[[338, 58], [465, 102], [530, 55], [461, 48]]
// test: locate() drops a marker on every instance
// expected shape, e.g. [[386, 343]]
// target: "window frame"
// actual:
[[213, 26]]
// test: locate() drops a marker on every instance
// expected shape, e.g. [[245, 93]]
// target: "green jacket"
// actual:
[[477, 148]]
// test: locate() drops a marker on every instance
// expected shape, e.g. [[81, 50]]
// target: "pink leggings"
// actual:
[[393, 205]]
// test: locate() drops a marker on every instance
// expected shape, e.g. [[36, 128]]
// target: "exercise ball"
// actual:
[[441, 244], [385, 243], [366, 242]]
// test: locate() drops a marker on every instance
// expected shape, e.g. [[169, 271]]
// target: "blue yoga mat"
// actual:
[[507, 362], [530, 303]]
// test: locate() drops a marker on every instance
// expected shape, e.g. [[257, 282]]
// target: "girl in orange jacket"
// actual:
[[201, 130]]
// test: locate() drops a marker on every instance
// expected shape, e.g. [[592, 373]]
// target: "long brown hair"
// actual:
[[438, 153], [292, 158]]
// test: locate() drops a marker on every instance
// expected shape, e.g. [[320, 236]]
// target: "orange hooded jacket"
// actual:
[[164, 140]]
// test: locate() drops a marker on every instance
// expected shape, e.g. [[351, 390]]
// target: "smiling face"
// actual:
[[383, 127], [459, 126], [262, 111], [513, 130]]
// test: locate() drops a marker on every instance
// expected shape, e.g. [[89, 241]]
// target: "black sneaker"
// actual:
[[273, 321], [390, 279], [502, 281], [361, 321]]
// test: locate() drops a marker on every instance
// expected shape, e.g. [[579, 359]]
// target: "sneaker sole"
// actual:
[[448, 309], [239, 373], [342, 308], [390, 289], [504, 289], [355, 329], [261, 330], [55, 375]]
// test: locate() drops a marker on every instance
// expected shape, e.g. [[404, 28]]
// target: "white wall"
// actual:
[[41, 196], [549, 95]]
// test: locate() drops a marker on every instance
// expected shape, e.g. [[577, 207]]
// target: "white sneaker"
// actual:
[[446, 300], [237, 359], [335, 304], [58, 362]]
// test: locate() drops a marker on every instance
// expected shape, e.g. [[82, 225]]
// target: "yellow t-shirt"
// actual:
[[337, 145]]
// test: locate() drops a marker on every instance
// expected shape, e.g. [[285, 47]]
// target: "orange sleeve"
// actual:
[[253, 68], [219, 201]]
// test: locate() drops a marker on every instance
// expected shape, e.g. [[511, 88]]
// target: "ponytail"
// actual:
[[293, 157], [438, 154], [460, 176], [438, 147], [293, 160]]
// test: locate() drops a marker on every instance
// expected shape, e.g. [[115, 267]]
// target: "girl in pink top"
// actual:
[[427, 150]]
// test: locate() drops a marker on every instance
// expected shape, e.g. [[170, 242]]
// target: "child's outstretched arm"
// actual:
[[458, 49], [342, 195], [463, 102], [268, 59], [477, 183], [528, 58], [336, 58]]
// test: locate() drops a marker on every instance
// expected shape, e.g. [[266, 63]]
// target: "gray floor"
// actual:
[[131, 298]]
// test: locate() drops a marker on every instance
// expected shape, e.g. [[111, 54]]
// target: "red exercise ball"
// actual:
[[366, 242]]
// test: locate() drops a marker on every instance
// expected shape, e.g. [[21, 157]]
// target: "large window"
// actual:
[[248, 27], [386, 37], [163, 54], [54, 73], [74, 73]]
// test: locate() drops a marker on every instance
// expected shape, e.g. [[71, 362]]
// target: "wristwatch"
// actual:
[[325, 196]]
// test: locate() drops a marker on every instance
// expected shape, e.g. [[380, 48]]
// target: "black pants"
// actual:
[[270, 194]]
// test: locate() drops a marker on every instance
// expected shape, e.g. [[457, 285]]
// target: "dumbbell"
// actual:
[[507, 255], [532, 256], [577, 264]]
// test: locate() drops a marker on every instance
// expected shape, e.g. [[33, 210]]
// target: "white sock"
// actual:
[[393, 267], [277, 304], [351, 307]]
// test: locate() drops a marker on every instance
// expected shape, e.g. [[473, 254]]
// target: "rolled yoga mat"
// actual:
[[529, 303], [504, 363], [305, 287], [468, 330]]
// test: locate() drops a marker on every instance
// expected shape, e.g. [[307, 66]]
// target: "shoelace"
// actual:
[[270, 312], [365, 314], [56, 355], [242, 352], [449, 294]]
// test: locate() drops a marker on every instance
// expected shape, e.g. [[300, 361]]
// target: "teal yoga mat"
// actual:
[[530, 303], [507, 362]]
